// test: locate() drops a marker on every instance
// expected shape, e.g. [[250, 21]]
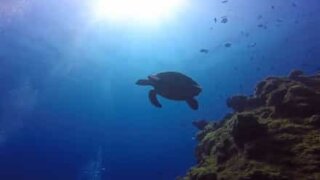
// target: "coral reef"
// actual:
[[272, 135]]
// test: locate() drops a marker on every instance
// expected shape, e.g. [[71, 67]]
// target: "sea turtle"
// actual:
[[172, 85]]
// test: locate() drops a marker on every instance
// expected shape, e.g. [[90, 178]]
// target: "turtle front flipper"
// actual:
[[153, 98], [193, 103]]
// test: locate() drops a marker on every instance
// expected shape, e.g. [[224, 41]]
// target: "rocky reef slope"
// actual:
[[272, 135]]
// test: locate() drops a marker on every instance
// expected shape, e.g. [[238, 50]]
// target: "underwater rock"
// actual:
[[299, 101], [200, 124], [261, 175], [206, 127], [240, 103], [273, 135], [203, 176], [314, 120], [246, 128], [295, 73], [237, 103]]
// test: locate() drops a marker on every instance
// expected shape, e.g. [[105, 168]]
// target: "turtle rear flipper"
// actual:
[[193, 103], [153, 98]]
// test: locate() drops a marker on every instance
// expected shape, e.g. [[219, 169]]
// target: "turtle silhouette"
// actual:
[[172, 85]]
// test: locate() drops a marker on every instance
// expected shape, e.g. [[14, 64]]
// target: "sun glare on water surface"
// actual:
[[144, 11]]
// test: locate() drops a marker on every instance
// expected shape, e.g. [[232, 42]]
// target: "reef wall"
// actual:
[[272, 135]]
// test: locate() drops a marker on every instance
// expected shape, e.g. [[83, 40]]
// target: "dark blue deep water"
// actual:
[[69, 106]]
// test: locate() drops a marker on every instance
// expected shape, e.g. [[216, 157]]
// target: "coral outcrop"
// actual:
[[272, 135]]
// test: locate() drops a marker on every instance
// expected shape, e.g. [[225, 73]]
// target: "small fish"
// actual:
[[225, 1], [215, 20], [272, 7], [204, 51], [224, 19], [228, 44], [279, 20], [260, 17], [252, 45], [262, 26], [245, 34], [294, 4]]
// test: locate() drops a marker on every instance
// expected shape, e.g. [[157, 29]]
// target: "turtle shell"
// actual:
[[175, 85]]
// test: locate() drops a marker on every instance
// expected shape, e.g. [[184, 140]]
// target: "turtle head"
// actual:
[[144, 82], [151, 81]]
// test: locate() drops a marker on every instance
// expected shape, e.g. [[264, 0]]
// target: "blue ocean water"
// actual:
[[69, 105]]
